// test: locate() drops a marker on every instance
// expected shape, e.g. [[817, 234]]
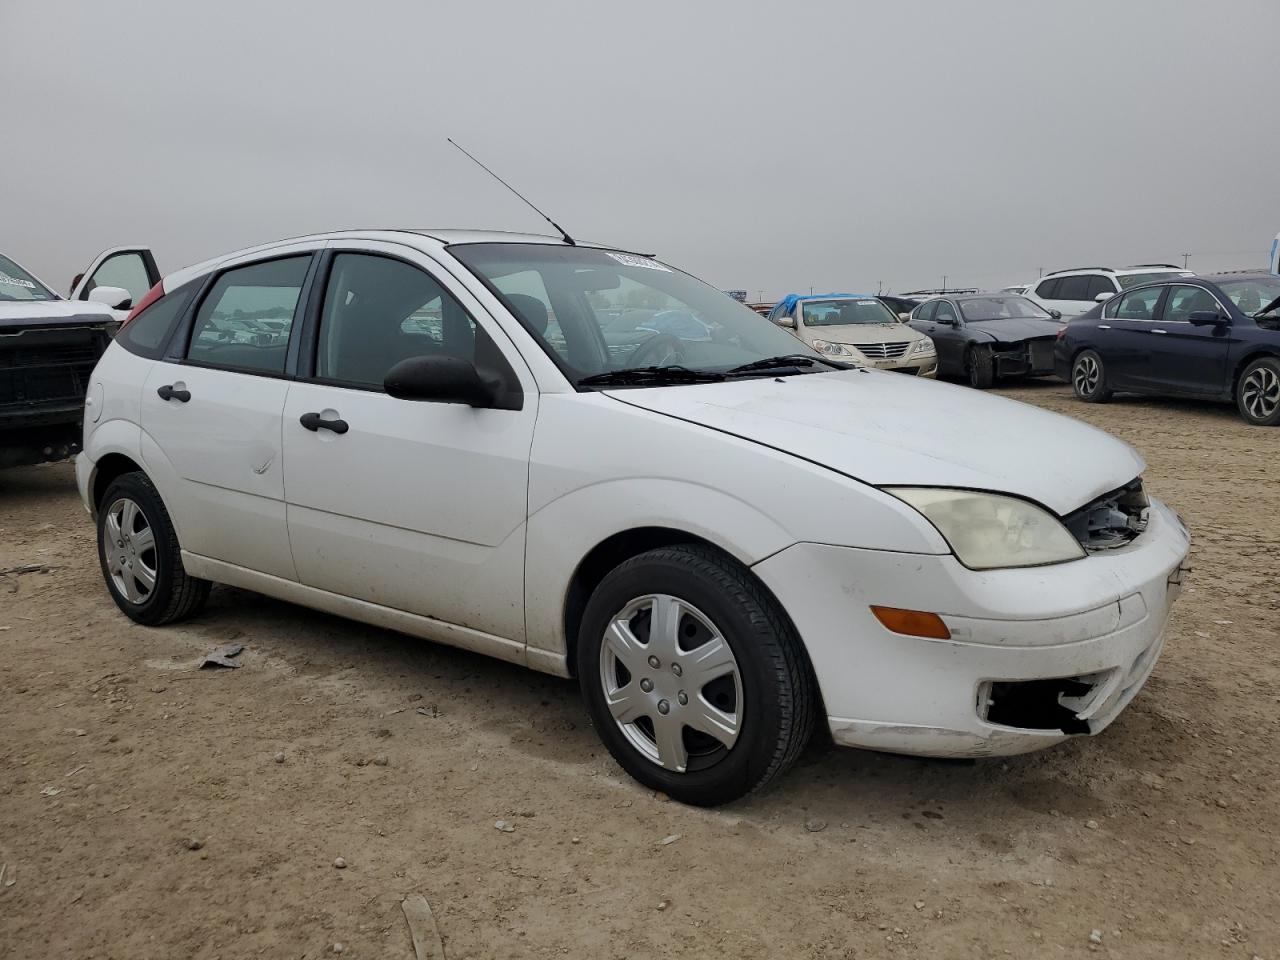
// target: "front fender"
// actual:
[[565, 530]]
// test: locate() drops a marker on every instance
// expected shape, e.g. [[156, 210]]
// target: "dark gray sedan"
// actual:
[[983, 336]]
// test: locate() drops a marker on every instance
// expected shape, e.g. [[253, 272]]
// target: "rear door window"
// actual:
[[1074, 288], [1098, 284], [1138, 305], [245, 320]]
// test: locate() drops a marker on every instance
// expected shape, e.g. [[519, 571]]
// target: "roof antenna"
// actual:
[[559, 229]]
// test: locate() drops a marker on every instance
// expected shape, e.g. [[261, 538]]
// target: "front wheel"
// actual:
[[981, 364], [1089, 378], [1258, 392], [693, 676], [140, 557]]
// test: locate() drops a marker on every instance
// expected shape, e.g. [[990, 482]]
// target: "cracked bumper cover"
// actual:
[[1102, 617]]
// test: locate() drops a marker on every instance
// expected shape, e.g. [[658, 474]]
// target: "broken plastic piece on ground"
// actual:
[[222, 656], [427, 944]]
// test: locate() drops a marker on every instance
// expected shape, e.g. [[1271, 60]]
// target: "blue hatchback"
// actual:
[[1217, 339]]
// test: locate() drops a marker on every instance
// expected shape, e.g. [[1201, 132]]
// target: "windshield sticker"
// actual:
[[627, 260], [15, 282], [868, 302]]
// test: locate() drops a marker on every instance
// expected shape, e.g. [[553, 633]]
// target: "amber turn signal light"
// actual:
[[912, 623]]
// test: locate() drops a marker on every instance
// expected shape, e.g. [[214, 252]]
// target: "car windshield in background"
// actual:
[[17, 284], [1001, 308], [1134, 279], [1253, 294], [840, 313], [600, 312]]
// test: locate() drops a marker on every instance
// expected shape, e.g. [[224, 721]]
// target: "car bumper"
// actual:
[[921, 367], [84, 480], [1095, 626]]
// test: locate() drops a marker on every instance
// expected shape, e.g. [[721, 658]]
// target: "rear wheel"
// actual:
[[140, 557], [981, 364], [695, 679], [1089, 378], [1258, 392]]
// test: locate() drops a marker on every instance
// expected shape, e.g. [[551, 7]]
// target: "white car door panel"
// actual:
[[223, 445], [131, 268], [417, 505]]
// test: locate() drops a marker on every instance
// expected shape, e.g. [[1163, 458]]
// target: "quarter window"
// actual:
[[379, 311], [1048, 289], [244, 321]]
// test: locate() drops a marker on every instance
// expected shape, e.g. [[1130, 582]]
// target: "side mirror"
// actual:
[[117, 298], [788, 322], [1103, 297], [1056, 314], [904, 317], [1206, 318], [442, 379]]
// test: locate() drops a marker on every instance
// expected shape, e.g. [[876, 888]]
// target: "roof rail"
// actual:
[[1135, 266], [1073, 269]]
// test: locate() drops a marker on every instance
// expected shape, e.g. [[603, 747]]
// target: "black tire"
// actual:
[[1089, 377], [778, 703], [980, 364], [1258, 392], [174, 595]]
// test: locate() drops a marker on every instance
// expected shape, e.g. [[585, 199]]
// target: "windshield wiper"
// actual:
[[650, 376], [784, 361]]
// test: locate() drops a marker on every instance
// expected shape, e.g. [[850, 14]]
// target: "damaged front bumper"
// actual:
[[1035, 655]]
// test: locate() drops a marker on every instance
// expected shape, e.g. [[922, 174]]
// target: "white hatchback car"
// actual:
[[481, 439]]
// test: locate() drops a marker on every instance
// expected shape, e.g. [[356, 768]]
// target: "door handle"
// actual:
[[168, 393], [1104, 326], [313, 423], [1158, 330]]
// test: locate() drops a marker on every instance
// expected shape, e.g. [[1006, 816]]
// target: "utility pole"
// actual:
[[1185, 258], [944, 283], [1042, 271], [759, 296], [811, 290], [879, 287]]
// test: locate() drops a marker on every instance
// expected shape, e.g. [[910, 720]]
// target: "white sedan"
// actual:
[[482, 439]]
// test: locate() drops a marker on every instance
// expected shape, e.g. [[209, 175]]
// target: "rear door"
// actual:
[[212, 406], [1125, 338], [1186, 358], [132, 268], [415, 505]]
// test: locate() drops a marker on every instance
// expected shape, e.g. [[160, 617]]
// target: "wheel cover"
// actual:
[[1086, 376], [1260, 393], [671, 683], [129, 546]]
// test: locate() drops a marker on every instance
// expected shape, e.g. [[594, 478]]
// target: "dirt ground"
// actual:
[[399, 756]]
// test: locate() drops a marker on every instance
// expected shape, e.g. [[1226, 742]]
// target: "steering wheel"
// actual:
[[658, 351]]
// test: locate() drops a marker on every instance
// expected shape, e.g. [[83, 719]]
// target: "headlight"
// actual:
[[924, 347], [987, 531], [834, 349]]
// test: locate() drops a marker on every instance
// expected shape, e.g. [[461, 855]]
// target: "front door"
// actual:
[[1187, 358], [415, 505], [131, 268], [211, 417], [948, 338]]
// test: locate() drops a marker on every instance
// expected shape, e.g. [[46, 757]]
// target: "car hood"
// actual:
[[1010, 329], [856, 333], [890, 429], [16, 314]]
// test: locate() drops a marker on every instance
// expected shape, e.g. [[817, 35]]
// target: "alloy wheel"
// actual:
[[1086, 376], [1260, 393], [130, 548], [671, 683]]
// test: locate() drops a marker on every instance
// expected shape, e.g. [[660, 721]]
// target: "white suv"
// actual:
[[1073, 292], [587, 462]]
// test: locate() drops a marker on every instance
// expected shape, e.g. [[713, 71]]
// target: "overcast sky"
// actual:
[[766, 146]]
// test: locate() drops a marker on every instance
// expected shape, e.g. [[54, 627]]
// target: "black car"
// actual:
[[1217, 339], [899, 305], [983, 336]]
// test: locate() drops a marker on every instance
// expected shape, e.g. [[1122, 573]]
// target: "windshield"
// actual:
[[599, 311], [1133, 279], [1253, 294], [17, 284], [840, 313], [1001, 308]]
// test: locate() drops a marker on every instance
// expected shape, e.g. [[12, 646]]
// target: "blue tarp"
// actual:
[[791, 299]]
